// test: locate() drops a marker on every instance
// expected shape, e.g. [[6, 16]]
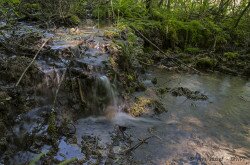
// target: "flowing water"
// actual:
[[104, 95]]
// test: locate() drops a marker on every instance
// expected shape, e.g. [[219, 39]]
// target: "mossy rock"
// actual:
[[205, 63], [145, 105], [140, 106], [231, 55]]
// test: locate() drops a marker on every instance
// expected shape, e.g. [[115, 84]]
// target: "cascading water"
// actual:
[[104, 96]]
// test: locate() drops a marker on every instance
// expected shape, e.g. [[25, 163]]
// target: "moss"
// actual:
[[140, 106], [73, 20], [192, 50], [205, 63], [52, 129], [145, 105], [231, 55], [130, 77]]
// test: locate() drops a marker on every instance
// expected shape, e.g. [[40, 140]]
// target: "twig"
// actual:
[[31, 62], [80, 91], [137, 145], [57, 90]]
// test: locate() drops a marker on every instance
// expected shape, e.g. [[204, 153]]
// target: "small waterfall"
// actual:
[[104, 97]]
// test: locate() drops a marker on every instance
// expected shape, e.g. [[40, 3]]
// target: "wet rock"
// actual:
[[4, 102], [4, 96], [154, 81], [92, 148], [158, 107], [163, 90], [12, 69], [3, 137], [193, 95]]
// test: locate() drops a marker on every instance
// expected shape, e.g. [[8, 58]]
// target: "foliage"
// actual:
[[205, 63], [176, 24], [192, 50], [207, 25], [231, 55]]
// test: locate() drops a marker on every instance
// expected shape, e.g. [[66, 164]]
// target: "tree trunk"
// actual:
[[160, 3], [220, 13], [168, 5], [241, 15]]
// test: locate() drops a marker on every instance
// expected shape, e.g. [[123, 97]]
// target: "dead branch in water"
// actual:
[[33, 60], [136, 145]]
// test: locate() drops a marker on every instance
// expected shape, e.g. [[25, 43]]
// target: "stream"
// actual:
[[191, 132], [215, 130]]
